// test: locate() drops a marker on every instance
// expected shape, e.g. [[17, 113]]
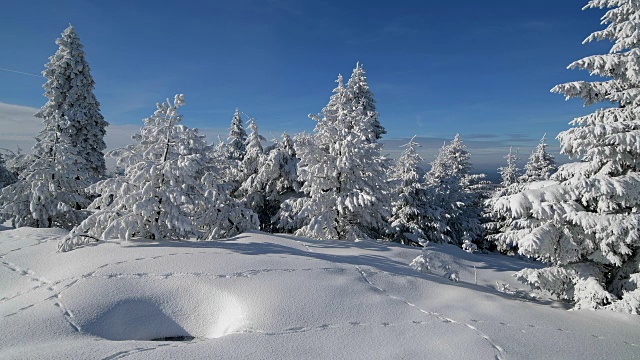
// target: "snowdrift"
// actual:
[[259, 296]]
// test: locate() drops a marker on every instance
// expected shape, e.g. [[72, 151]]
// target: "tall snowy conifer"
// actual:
[[360, 96], [452, 189], [50, 190], [237, 138], [586, 223], [254, 150], [343, 175], [410, 216], [510, 174], [249, 167], [497, 223], [67, 156], [73, 105], [275, 181], [541, 164]]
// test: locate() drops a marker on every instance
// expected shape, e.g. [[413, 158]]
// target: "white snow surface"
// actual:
[[260, 296]]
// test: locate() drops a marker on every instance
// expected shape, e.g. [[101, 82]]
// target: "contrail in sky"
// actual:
[[20, 72]]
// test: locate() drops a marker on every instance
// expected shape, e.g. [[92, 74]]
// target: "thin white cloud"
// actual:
[[19, 126]]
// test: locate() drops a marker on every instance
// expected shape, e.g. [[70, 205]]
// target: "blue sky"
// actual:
[[481, 69]]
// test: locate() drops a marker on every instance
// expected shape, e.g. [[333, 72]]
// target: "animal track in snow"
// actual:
[[76, 280], [498, 348], [241, 274], [29, 274], [137, 350], [49, 287], [349, 324], [522, 328], [125, 353]]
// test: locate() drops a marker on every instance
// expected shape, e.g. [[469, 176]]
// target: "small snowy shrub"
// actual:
[[421, 264], [504, 288], [450, 273], [468, 246]]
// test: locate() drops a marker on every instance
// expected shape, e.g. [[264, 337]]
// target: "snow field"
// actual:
[[262, 296]]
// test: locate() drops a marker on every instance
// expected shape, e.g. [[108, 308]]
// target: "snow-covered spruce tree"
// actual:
[[541, 164], [358, 94], [410, 215], [288, 219], [50, 190], [495, 223], [254, 151], [343, 175], [510, 174], [249, 166], [73, 105], [220, 215], [237, 138], [227, 169], [151, 198], [275, 181], [161, 195], [67, 155], [586, 222], [453, 190]]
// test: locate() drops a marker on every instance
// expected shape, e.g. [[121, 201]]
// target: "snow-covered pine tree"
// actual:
[[359, 95], [72, 104], [275, 181], [288, 217], [410, 215], [586, 223], [50, 190], [67, 155], [237, 138], [160, 188], [443, 185], [496, 223], [452, 189], [221, 215], [343, 175], [510, 174], [254, 151], [541, 164], [249, 167], [226, 168]]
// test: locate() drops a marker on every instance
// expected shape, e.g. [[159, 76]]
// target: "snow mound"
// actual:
[[148, 313]]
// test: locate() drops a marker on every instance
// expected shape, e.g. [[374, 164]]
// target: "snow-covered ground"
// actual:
[[260, 296]]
